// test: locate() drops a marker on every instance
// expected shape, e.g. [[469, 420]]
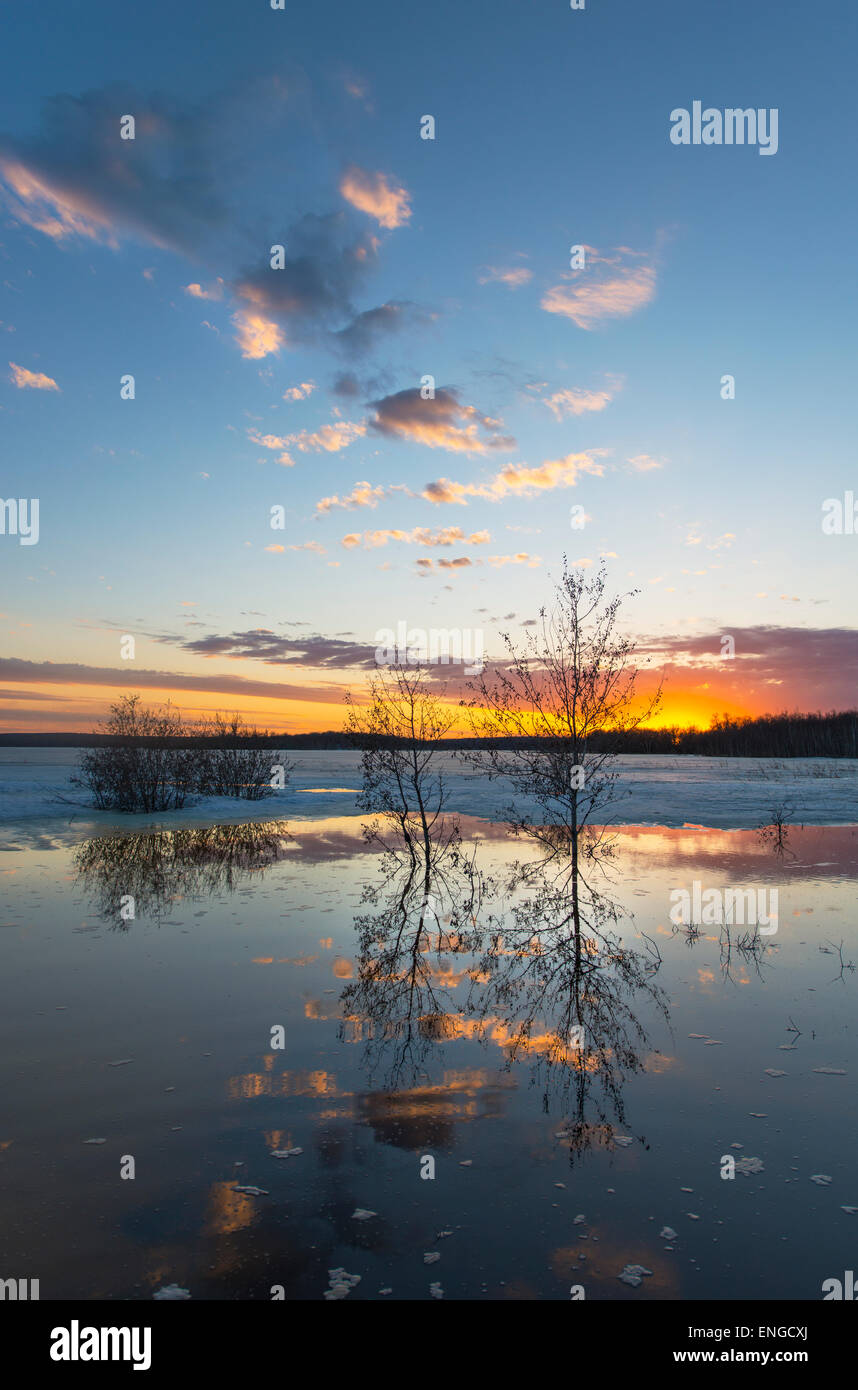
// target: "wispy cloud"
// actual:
[[441, 422], [722, 542], [33, 381], [421, 535], [512, 276], [576, 400], [69, 181], [361, 495], [425, 564], [256, 335], [310, 295], [520, 558], [197, 291], [377, 195], [75, 178], [516, 479], [606, 287], [645, 463], [262, 644], [318, 652], [328, 439]]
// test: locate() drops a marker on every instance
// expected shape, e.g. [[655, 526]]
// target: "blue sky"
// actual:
[[301, 127]]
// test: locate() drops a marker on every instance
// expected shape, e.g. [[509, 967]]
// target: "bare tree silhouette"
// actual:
[[572, 680]]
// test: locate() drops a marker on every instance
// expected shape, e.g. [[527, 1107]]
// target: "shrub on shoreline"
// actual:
[[150, 766]]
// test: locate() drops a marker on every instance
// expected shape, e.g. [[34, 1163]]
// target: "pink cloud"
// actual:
[[374, 194]]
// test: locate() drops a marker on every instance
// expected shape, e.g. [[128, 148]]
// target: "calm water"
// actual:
[[393, 1057]]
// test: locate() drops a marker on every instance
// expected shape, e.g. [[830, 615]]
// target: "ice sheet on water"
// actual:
[[676, 790]]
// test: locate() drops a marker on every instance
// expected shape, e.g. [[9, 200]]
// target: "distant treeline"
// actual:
[[833, 735]]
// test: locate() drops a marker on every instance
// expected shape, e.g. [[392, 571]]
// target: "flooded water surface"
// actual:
[[238, 1058]]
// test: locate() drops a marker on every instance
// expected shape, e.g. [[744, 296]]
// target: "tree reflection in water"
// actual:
[[156, 868], [547, 975], [413, 949], [563, 987]]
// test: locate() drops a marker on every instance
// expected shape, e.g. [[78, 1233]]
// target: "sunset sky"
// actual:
[[597, 387]]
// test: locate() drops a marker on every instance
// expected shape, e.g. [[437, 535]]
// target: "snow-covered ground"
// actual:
[[724, 793]]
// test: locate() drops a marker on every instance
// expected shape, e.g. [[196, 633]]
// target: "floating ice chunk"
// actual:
[[747, 1166], [821, 1179], [171, 1293], [341, 1284], [431, 1257], [633, 1274], [623, 1140], [285, 1153], [698, 1035], [436, 1291], [852, 1211], [466, 1163], [714, 1042], [772, 1071], [830, 1071], [251, 1190], [362, 1214], [123, 1062], [94, 1141], [667, 1233]]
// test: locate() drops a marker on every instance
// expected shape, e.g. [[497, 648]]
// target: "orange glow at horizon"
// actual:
[[82, 708]]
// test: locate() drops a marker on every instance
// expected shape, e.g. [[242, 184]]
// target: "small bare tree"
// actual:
[[400, 731], [431, 888], [549, 716]]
